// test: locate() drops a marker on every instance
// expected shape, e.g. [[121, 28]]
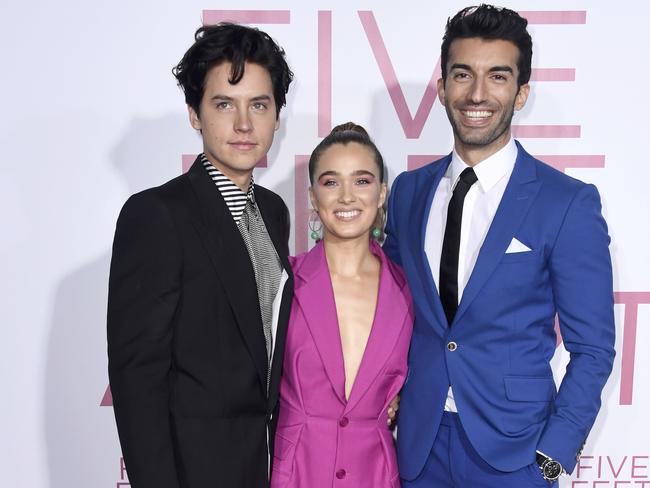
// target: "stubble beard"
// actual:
[[472, 138]]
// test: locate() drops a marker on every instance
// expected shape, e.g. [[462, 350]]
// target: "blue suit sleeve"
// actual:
[[581, 277]]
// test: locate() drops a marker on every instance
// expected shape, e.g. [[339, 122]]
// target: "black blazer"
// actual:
[[187, 358]]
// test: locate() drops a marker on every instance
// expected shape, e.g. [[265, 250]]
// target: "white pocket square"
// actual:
[[517, 246]]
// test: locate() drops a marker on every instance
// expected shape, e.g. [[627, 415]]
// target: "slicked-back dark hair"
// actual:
[[490, 22], [236, 44], [345, 134]]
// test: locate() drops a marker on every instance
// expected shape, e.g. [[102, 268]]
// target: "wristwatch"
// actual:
[[551, 469]]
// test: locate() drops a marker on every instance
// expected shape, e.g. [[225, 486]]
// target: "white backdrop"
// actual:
[[92, 114]]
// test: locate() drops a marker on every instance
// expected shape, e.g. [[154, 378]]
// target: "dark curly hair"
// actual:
[[490, 22], [236, 44]]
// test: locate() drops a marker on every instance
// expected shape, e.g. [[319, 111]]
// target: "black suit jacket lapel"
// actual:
[[231, 262]]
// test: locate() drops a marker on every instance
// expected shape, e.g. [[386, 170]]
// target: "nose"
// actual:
[[477, 93], [242, 120], [346, 193]]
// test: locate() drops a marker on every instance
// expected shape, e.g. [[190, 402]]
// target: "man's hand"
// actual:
[[392, 412]]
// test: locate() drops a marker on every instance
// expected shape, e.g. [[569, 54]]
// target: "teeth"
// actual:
[[347, 215], [477, 114]]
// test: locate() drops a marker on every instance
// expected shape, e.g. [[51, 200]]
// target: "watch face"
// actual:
[[552, 470]]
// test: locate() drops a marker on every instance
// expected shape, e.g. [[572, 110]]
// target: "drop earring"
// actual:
[[315, 226]]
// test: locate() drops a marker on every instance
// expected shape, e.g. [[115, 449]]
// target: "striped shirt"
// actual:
[[233, 196]]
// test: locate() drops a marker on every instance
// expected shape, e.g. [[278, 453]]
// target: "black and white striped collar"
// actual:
[[234, 197]]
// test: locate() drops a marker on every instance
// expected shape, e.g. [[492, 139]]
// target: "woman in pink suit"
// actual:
[[349, 331]]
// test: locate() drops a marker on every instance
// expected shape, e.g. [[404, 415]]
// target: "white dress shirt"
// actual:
[[479, 207]]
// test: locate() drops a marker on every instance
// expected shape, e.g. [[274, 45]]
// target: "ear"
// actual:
[[441, 91], [522, 96], [195, 121], [277, 122], [312, 199], [382, 195]]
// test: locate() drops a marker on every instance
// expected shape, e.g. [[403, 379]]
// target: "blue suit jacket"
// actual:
[[504, 327]]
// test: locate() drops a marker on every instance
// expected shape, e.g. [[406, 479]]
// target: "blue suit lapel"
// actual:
[[519, 194], [418, 225]]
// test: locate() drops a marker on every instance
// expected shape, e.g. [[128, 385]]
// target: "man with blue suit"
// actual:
[[494, 244]]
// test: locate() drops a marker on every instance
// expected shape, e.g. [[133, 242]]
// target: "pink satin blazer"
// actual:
[[322, 439]]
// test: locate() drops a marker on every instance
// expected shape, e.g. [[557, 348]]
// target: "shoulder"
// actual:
[[394, 270], [297, 260], [560, 190], [268, 197], [155, 204], [552, 178], [412, 182], [272, 204]]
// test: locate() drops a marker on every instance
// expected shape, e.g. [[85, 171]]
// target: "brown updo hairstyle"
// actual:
[[345, 134]]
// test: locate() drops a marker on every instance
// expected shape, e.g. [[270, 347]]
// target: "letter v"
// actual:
[[620, 468], [412, 126]]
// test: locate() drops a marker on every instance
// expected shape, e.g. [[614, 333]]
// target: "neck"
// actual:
[[473, 154], [240, 178], [347, 257]]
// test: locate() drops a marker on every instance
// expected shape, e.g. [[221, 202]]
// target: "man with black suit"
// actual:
[[200, 285]]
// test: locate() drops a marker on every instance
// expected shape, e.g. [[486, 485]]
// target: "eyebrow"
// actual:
[[359, 172], [493, 69], [259, 98]]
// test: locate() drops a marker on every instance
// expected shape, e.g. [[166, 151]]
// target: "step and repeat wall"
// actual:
[[92, 114]]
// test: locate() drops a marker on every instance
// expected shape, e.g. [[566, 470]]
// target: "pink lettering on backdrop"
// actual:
[[631, 301], [415, 161], [301, 206], [562, 162], [546, 131], [124, 481], [412, 126], [107, 399], [616, 470], [555, 17], [553, 74], [324, 72], [639, 467], [559, 162], [187, 160], [607, 470], [247, 16]]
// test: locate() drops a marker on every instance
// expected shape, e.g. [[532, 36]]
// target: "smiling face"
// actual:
[[480, 95], [237, 122], [347, 192]]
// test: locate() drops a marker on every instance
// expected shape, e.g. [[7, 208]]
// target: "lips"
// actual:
[[243, 145]]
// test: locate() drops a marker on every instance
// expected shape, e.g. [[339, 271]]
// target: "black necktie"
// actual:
[[448, 283]]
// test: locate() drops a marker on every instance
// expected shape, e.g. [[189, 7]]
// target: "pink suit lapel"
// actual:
[[313, 291], [315, 295], [392, 307]]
